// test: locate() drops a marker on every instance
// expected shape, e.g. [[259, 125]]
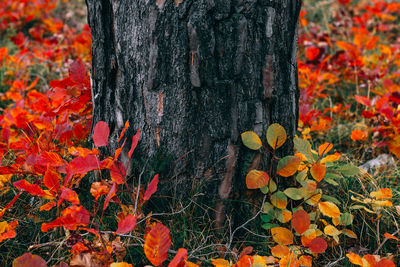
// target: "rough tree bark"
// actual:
[[193, 75]]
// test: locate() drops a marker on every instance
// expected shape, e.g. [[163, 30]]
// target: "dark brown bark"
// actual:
[[193, 75]]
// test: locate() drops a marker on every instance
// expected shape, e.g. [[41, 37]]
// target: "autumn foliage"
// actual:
[[349, 79]]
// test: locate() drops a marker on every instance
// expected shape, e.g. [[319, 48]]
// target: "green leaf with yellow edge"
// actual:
[[267, 208], [294, 193], [272, 186], [288, 166], [304, 147], [283, 216], [279, 200], [264, 189], [251, 140], [276, 135]]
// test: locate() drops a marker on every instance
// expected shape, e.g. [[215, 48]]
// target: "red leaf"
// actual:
[[318, 245], [135, 140], [49, 159], [71, 218], [28, 259], [123, 131], [118, 172], [32, 189], [157, 244], [152, 188], [126, 225], [51, 179], [179, 257], [82, 165], [300, 221], [100, 134], [110, 195], [312, 53], [77, 72], [69, 195], [9, 205], [363, 100]]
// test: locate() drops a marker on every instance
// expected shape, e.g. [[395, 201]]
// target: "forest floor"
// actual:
[[344, 210]]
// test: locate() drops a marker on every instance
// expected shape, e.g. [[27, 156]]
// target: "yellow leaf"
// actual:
[[282, 236], [276, 135], [220, 263], [329, 209], [331, 230], [331, 158], [121, 264]]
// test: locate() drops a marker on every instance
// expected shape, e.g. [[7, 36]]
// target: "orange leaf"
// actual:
[[318, 245], [324, 148], [289, 261], [245, 261], [280, 251], [382, 193], [358, 135], [256, 179], [389, 236], [220, 263], [300, 221], [123, 131], [288, 166], [156, 244], [282, 236], [354, 258], [318, 171], [329, 209], [305, 261]]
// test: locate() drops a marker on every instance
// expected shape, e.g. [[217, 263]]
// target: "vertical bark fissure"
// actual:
[[194, 76]]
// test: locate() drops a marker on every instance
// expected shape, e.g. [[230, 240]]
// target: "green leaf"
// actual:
[[266, 217], [346, 218], [331, 199], [268, 226], [301, 176], [293, 193], [304, 147], [264, 189], [348, 170], [276, 135], [357, 207], [331, 181], [331, 175], [251, 140]]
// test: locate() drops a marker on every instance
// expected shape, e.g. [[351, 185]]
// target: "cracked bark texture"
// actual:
[[193, 75]]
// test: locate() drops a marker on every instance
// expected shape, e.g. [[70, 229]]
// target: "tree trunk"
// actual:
[[193, 75]]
